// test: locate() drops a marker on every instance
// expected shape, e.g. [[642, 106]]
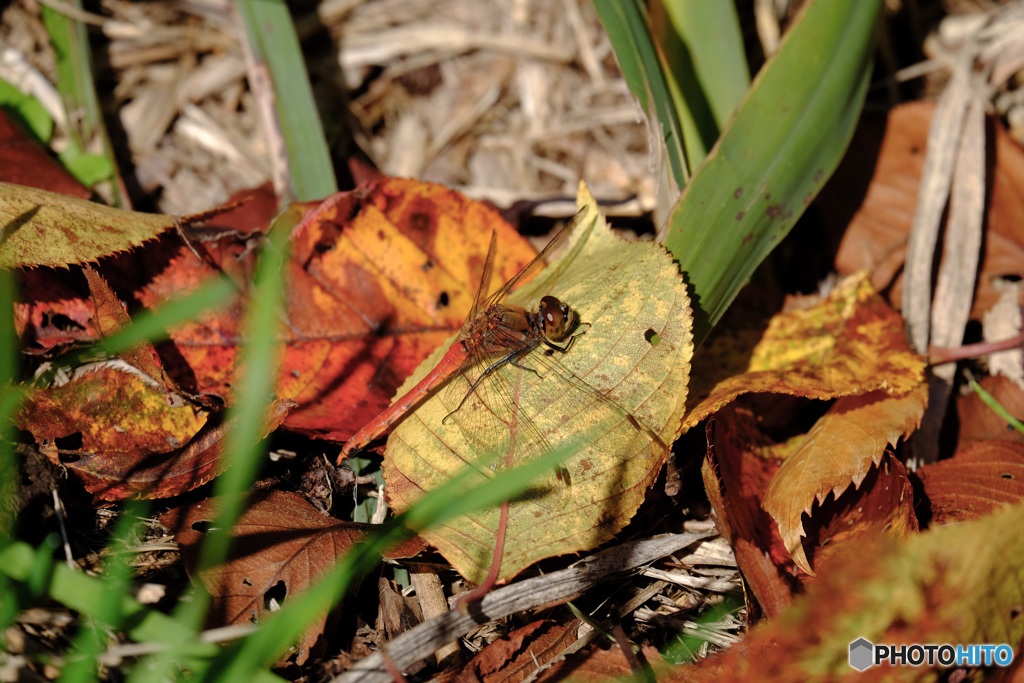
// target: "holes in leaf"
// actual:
[[203, 526], [68, 447], [274, 597], [61, 322], [442, 301], [652, 337]]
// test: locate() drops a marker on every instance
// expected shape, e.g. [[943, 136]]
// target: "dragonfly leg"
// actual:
[[581, 330]]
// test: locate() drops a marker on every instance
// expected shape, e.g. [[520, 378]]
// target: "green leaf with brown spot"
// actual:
[[39, 228]]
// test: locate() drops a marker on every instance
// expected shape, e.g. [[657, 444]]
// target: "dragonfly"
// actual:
[[497, 335]]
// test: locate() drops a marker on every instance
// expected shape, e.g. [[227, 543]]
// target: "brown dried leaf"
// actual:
[[974, 482], [978, 422], [596, 664], [876, 235], [281, 545], [515, 657], [841, 449]]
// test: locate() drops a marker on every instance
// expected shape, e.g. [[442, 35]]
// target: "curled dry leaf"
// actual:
[[840, 450], [850, 345], [736, 475], [629, 368]]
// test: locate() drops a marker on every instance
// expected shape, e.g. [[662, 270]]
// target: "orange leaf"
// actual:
[[111, 317], [377, 278], [110, 411], [124, 435]]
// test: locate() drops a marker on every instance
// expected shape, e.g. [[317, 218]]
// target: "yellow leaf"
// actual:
[[634, 359]]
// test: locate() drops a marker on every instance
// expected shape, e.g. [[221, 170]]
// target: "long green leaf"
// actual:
[[783, 144], [275, 44], [625, 21], [703, 49], [81, 104]]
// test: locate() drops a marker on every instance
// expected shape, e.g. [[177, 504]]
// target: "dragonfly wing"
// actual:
[[538, 260], [494, 419], [523, 411]]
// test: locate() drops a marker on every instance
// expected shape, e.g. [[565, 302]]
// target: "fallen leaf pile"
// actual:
[[809, 412]]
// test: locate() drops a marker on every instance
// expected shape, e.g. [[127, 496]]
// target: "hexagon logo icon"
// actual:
[[860, 654]]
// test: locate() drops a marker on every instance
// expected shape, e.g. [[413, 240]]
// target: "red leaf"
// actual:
[[23, 162]]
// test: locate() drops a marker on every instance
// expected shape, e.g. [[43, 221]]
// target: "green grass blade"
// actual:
[[242, 448], [75, 83], [990, 400], [274, 42], [703, 49], [243, 451], [90, 642], [86, 594], [625, 21], [783, 144]]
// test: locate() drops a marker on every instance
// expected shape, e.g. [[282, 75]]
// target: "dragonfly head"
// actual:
[[558, 319]]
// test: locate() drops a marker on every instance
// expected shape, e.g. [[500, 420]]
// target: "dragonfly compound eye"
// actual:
[[556, 317]]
